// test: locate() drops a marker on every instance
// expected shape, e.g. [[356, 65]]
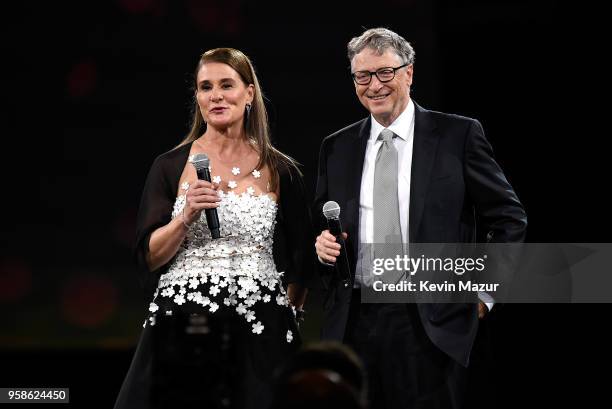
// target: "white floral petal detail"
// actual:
[[185, 186], [289, 336], [241, 309], [258, 328], [232, 184], [167, 292], [193, 283], [237, 273], [281, 300], [256, 174], [216, 179], [236, 171], [153, 307]]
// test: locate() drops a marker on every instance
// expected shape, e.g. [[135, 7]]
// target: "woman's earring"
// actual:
[[247, 113]]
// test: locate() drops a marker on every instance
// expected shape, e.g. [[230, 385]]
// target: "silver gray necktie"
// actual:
[[386, 204], [387, 230]]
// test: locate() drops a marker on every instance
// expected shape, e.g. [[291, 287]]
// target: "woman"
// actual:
[[237, 283]]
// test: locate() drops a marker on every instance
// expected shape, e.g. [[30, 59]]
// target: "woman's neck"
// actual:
[[228, 142]]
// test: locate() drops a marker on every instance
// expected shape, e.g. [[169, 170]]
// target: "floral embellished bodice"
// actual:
[[236, 270]]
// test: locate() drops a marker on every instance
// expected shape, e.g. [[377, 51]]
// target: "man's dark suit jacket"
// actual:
[[458, 194]]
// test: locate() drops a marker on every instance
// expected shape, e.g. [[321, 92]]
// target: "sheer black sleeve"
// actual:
[[294, 235], [155, 209]]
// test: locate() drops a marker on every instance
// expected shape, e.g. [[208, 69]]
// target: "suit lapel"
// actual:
[[423, 156], [356, 158]]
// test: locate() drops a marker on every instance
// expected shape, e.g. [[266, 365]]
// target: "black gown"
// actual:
[[219, 322]]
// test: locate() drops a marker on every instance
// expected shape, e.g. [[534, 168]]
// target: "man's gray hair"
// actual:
[[381, 39]]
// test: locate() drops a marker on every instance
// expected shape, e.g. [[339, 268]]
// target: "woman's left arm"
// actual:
[[299, 236], [297, 295]]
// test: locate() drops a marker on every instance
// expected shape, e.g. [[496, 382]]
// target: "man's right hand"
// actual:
[[327, 248]]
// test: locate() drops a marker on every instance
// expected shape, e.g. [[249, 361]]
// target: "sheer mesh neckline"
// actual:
[[248, 192]]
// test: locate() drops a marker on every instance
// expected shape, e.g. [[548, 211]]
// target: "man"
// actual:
[[424, 177]]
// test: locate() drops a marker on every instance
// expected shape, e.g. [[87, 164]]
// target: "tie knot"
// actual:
[[386, 135]]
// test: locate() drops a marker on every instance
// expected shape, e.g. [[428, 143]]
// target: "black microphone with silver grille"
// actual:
[[331, 211], [201, 163]]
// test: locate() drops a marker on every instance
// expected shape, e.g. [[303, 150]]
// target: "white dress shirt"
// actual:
[[403, 127]]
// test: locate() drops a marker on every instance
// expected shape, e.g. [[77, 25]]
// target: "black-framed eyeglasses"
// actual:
[[385, 74]]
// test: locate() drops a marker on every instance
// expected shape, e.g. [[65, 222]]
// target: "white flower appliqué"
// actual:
[[258, 328], [281, 299], [232, 184], [236, 171], [185, 186], [167, 292], [241, 309], [216, 179], [256, 174], [237, 272], [289, 336]]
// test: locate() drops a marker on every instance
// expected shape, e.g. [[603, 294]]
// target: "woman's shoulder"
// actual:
[[288, 168], [171, 162], [291, 181], [166, 169], [176, 154]]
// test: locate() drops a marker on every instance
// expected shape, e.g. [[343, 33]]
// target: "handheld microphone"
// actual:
[[201, 163], [331, 211]]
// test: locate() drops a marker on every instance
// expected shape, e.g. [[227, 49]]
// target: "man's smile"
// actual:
[[378, 97]]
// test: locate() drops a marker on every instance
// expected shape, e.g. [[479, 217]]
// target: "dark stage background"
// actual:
[[94, 91]]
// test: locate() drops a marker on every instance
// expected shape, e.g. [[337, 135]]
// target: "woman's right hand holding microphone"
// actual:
[[200, 195]]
